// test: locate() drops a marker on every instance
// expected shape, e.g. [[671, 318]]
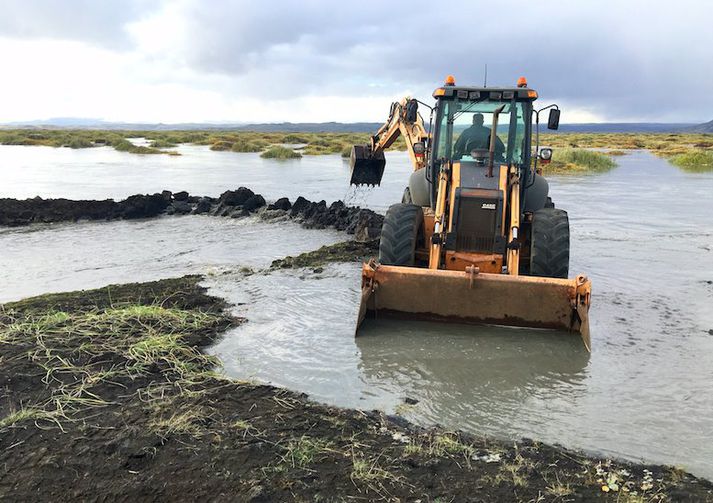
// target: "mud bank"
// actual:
[[232, 203], [346, 251], [105, 394]]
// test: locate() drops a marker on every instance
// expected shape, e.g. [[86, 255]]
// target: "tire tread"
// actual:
[[550, 244], [399, 234]]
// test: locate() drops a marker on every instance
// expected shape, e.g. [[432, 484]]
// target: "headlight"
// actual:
[[545, 154]]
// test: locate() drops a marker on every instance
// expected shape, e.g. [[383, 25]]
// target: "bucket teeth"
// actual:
[[367, 168]]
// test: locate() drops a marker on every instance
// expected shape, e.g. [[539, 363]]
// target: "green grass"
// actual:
[[124, 145], [69, 348], [80, 143], [221, 146], [25, 414], [695, 161], [295, 139], [577, 160], [369, 471], [162, 143], [278, 152], [301, 452], [249, 146], [235, 141], [689, 150]]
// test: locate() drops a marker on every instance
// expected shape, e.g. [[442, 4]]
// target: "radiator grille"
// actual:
[[476, 227]]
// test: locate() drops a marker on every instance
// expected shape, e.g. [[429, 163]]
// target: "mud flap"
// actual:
[[366, 168], [498, 299]]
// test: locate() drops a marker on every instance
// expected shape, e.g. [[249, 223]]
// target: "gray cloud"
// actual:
[[619, 59], [622, 60], [98, 22]]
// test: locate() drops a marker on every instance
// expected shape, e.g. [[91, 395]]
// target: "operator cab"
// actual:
[[464, 118]]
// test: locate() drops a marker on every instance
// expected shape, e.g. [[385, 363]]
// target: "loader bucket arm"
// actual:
[[454, 296], [367, 161]]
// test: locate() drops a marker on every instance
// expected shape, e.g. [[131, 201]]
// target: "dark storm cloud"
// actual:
[[621, 59]]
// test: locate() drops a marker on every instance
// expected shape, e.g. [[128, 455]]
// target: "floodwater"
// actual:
[[60, 258], [642, 232], [102, 173]]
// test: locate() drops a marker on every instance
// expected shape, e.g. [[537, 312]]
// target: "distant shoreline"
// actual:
[[337, 127]]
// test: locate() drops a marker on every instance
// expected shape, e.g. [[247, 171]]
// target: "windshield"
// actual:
[[466, 125]]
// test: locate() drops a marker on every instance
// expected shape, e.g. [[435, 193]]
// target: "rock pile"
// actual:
[[363, 223]]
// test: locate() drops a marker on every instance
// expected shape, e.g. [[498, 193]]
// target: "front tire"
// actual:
[[400, 234], [549, 243]]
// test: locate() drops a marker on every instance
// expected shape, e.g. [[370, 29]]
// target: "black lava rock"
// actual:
[[181, 196], [253, 203], [236, 197], [281, 204], [300, 206], [142, 206], [203, 206], [180, 208]]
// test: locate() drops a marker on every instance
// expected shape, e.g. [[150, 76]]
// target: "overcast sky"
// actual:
[[323, 60]]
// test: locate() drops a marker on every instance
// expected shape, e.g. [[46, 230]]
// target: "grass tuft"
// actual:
[[694, 161], [577, 160], [369, 471], [25, 414], [278, 152], [302, 452]]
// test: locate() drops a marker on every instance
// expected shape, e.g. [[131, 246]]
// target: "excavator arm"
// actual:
[[367, 161]]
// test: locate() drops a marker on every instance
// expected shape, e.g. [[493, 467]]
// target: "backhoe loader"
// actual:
[[476, 238]]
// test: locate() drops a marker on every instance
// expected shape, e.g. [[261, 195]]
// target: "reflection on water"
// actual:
[[642, 232]]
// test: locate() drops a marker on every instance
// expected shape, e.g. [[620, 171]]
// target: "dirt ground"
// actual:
[[105, 395]]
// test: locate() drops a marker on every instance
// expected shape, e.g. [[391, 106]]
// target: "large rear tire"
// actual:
[[400, 234], [549, 243]]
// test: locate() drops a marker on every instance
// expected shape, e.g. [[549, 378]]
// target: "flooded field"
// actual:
[[100, 173], [642, 232]]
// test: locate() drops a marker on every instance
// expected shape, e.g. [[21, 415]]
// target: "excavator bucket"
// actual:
[[367, 168], [463, 297]]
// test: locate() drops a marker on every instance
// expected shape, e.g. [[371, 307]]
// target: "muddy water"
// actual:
[[642, 232], [58, 258]]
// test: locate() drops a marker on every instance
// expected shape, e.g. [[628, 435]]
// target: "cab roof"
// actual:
[[491, 93]]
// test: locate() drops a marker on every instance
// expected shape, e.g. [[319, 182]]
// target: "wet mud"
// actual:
[[363, 223], [105, 394], [346, 251]]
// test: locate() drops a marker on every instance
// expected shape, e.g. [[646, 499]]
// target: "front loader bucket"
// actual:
[[367, 168], [498, 299]]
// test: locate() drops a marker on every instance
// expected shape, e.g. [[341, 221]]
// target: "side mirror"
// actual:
[[553, 121], [411, 111]]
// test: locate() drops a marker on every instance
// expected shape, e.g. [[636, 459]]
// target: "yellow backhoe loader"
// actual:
[[476, 238]]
